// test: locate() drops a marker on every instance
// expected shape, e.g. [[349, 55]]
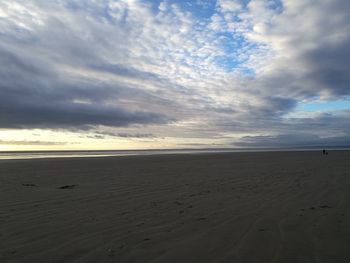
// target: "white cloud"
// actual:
[[229, 5]]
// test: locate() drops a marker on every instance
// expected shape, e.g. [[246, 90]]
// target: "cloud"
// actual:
[[31, 95], [135, 135], [239, 69], [293, 140], [34, 97], [311, 54], [229, 6], [48, 143], [106, 134]]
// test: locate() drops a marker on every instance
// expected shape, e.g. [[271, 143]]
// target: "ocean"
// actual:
[[11, 155], [79, 154]]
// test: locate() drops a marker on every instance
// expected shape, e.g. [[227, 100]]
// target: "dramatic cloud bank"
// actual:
[[225, 73]]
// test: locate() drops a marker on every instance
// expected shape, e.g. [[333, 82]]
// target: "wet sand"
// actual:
[[229, 207]]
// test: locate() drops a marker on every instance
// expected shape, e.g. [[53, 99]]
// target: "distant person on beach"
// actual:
[[324, 151]]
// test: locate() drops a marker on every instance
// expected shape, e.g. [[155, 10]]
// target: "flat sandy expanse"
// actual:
[[236, 207]]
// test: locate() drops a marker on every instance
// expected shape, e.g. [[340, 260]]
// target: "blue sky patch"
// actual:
[[325, 105]]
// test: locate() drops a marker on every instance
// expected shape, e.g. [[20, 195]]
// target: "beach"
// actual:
[[212, 207]]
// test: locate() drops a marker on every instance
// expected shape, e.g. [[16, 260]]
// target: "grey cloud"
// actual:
[[317, 38], [11, 142], [135, 135], [330, 66], [106, 134], [292, 140], [220, 109], [31, 95], [58, 115], [124, 71], [271, 107], [96, 136], [325, 125]]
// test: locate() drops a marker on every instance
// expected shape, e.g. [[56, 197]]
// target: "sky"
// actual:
[[138, 74]]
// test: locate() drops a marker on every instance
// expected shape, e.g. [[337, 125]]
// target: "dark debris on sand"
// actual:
[[71, 186]]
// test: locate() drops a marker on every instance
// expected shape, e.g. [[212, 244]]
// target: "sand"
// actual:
[[229, 207]]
